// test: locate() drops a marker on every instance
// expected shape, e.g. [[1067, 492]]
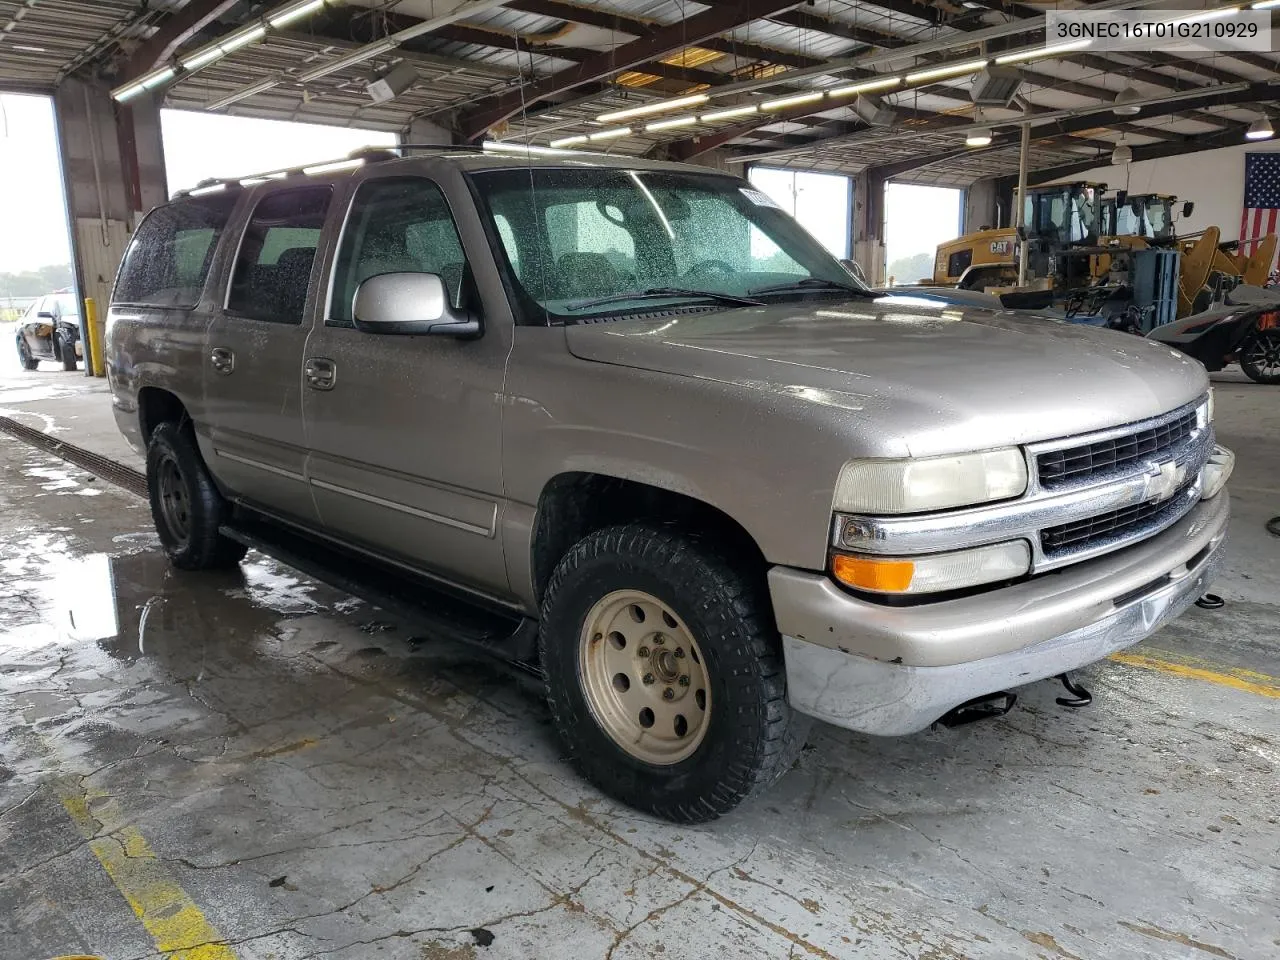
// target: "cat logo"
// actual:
[[1000, 246]]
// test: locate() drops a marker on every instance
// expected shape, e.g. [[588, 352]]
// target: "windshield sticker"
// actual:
[[758, 198]]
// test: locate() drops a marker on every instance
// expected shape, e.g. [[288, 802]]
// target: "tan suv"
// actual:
[[628, 420]]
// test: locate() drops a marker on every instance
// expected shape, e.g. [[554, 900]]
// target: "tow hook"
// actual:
[[986, 707], [1080, 697]]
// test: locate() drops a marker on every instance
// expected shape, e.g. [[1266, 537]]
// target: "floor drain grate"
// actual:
[[124, 477]]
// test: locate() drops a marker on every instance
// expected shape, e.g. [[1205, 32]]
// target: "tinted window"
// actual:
[[398, 225], [273, 267], [168, 260], [958, 263]]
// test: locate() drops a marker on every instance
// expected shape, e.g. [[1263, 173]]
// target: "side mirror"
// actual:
[[1121, 197], [409, 304], [1187, 207], [46, 315]]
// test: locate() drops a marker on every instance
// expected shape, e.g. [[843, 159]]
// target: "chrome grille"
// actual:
[[1068, 467], [1115, 525]]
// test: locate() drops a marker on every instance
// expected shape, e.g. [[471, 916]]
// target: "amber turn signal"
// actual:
[[868, 573]]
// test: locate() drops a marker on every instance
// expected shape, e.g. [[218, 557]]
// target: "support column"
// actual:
[[113, 170], [868, 225]]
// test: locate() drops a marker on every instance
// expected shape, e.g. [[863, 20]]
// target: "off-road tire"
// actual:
[[200, 547], [26, 359], [66, 351], [752, 737], [1253, 353]]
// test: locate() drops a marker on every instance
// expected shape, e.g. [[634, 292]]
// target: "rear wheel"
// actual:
[[185, 504], [1260, 357], [664, 673], [24, 356]]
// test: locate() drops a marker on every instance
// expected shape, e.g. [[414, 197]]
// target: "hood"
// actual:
[[915, 378]]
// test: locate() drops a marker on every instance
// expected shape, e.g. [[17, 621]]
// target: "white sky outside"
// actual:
[[819, 201], [198, 146], [917, 219], [33, 220]]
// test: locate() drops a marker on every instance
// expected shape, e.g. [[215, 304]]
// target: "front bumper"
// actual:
[[895, 670]]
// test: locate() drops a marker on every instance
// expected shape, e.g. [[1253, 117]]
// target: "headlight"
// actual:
[[935, 483], [934, 573]]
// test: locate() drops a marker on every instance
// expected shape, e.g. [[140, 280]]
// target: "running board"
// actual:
[[436, 612]]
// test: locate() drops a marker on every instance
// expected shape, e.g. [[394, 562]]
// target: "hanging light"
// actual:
[[1260, 129], [1122, 154], [1124, 102], [978, 137]]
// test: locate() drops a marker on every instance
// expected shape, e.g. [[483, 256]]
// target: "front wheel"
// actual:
[[664, 673], [25, 358], [1260, 357], [185, 504]]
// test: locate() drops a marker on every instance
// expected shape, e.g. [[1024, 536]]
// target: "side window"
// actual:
[[168, 260], [396, 225], [273, 268]]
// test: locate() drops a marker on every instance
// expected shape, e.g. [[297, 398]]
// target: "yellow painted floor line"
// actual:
[[177, 926], [1194, 668]]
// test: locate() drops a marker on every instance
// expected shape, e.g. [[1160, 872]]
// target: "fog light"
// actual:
[[934, 573]]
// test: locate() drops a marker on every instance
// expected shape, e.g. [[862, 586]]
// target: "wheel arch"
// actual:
[[576, 503], [156, 405]]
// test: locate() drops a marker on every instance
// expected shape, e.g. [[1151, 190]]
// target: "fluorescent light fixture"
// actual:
[[609, 134], [156, 79], [741, 111], [127, 93], [650, 108], [950, 70], [673, 122], [503, 146], [1260, 129], [278, 20], [335, 167], [350, 60], [1052, 51], [799, 98], [569, 141], [1216, 14], [203, 58], [27, 48], [238, 40], [243, 93], [1265, 5], [867, 86], [978, 137]]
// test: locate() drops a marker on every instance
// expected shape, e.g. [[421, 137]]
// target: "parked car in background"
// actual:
[[50, 330]]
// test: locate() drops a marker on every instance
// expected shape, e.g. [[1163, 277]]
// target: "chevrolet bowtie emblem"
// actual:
[[1162, 480]]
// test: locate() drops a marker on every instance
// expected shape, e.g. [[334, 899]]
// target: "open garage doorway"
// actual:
[[820, 202], [199, 146], [39, 308], [916, 220]]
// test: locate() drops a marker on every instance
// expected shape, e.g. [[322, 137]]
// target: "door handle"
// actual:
[[222, 360], [321, 373]]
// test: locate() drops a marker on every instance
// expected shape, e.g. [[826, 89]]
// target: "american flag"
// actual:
[[1261, 199]]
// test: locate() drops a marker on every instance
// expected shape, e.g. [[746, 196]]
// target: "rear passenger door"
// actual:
[[405, 430], [253, 355]]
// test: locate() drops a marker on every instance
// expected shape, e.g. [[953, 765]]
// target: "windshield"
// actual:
[[1160, 219], [575, 241], [1069, 215], [67, 305]]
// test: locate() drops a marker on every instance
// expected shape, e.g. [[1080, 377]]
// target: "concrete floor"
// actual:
[[259, 760]]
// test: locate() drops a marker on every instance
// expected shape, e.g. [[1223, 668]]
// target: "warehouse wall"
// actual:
[[1214, 179]]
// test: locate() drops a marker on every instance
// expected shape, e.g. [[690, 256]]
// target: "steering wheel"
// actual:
[[711, 268]]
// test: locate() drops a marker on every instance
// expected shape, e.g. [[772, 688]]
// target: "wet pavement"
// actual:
[[255, 759]]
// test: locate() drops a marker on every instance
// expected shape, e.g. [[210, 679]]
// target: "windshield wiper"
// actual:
[[654, 293], [813, 283]]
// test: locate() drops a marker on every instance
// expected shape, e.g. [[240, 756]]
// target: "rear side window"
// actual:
[[396, 225], [273, 267], [168, 260]]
